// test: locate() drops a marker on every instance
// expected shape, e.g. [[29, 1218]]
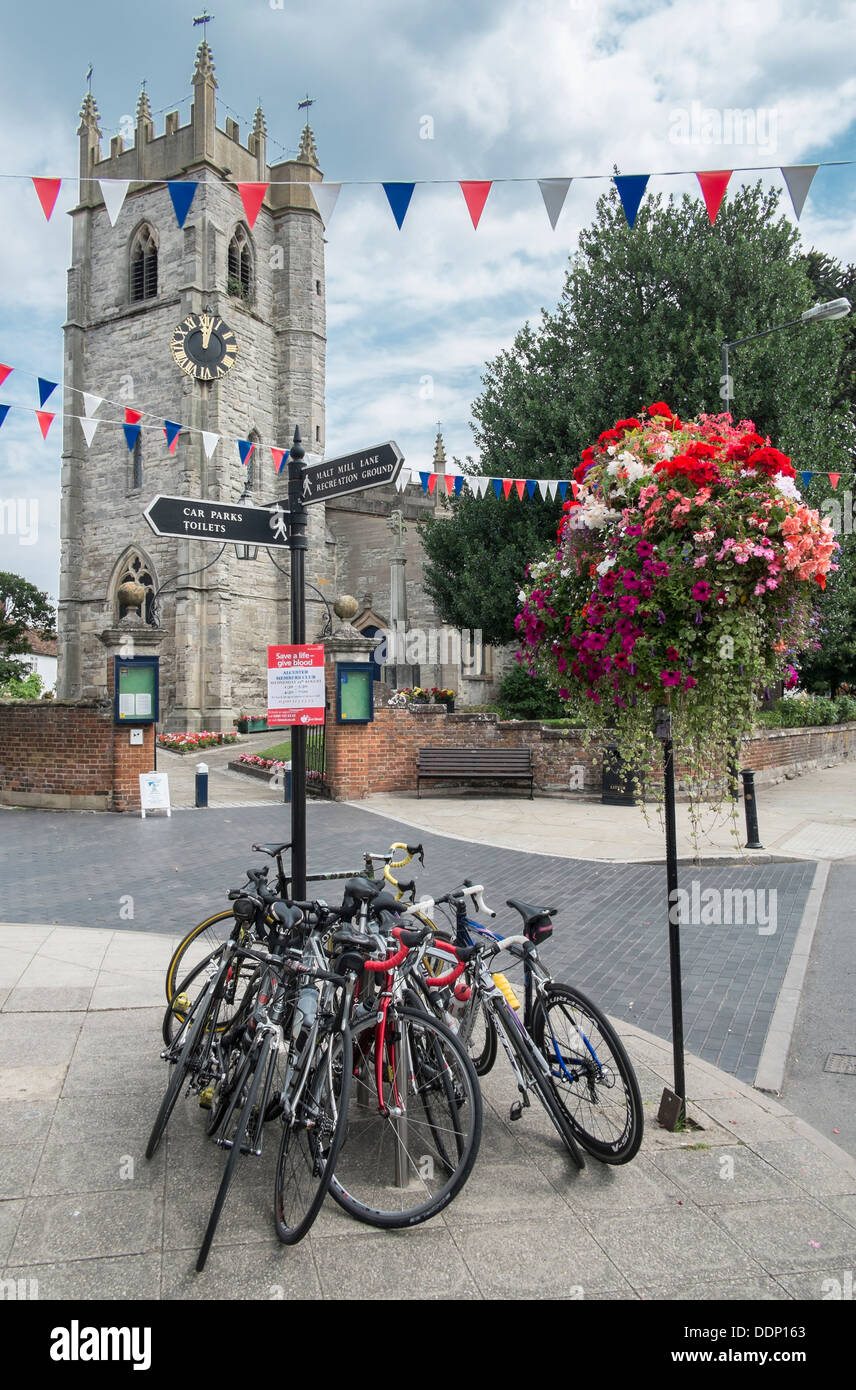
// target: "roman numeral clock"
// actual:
[[204, 347]]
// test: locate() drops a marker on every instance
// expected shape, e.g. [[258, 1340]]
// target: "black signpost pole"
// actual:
[[297, 546]]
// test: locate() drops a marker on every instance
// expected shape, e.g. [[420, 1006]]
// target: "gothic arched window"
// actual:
[[144, 264], [239, 269], [136, 568]]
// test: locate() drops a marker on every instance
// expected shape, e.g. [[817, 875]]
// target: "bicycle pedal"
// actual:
[[206, 1097], [516, 1110]]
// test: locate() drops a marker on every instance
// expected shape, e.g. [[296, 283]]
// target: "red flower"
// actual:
[[626, 425], [770, 461], [660, 408], [608, 437]]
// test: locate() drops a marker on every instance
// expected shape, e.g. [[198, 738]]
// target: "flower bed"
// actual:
[[192, 743]]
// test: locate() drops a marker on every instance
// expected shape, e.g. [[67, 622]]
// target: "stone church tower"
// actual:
[[129, 287]]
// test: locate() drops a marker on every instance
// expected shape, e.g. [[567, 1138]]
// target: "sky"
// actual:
[[488, 89]]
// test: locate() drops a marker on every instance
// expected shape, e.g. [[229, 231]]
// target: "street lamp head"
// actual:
[[833, 309]]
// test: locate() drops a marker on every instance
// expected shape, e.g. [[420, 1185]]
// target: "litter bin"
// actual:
[[617, 783]]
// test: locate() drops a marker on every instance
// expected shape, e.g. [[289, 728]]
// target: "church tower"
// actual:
[[129, 288]]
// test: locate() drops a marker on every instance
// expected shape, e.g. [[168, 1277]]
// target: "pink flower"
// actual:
[[670, 677], [701, 591]]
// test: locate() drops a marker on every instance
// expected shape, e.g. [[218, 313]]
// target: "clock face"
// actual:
[[204, 346]]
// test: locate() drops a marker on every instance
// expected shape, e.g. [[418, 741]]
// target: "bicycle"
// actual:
[[415, 1114], [591, 1078]]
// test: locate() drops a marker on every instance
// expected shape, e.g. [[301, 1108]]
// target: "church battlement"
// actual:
[[191, 148]]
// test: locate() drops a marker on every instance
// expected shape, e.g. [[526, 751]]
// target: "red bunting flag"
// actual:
[[520, 484], [252, 196], [833, 478], [48, 192], [506, 487], [4, 372], [450, 482], [432, 483], [278, 456], [713, 186], [45, 420], [475, 194], [574, 491], [132, 417]]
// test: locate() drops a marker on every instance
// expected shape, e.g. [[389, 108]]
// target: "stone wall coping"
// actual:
[[783, 731], [13, 702]]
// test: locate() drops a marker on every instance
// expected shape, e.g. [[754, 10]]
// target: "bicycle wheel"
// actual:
[[246, 1091], [529, 1060], [474, 1025], [311, 1140], [399, 1169], [593, 1078], [196, 1028], [236, 998], [199, 943]]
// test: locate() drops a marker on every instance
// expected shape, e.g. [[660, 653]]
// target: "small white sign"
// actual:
[[154, 793]]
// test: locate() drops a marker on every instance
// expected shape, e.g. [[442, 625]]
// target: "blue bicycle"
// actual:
[[563, 1047]]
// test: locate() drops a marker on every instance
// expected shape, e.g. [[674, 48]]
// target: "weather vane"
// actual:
[[305, 104], [204, 19]]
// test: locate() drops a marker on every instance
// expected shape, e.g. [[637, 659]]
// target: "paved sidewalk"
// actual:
[[810, 817], [756, 1204]]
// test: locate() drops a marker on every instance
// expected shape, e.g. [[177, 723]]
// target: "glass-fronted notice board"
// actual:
[[136, 690], [354, 692]]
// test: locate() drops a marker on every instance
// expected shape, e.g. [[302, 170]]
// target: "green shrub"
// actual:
[[522, 696]]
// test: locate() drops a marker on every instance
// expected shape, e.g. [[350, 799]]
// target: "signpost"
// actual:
[[296, 684], [284, 524], [196, 519], [373, 467]]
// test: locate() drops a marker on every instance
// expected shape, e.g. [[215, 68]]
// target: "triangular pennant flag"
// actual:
[[402, 479], [481, 486], [519, 484], [252, 196], [475, 196], [91, 403], [448, 479], [552, 488], [423, 478], [562, 489], [631, 191], [132, 417], [45, 420], [554, 192], [89, 427], [574, 487], [4, 372], [182, 195], [278, 456], [530, 487], [172, 431], [245, 448], [432, 482], [806, 477], [543, 488], [132, 434], [46, 388], [48, 191], [496, 484], [398, 196], [506, 487], [113, 192], [798, 177], [209, 442], [325, 195], [833, 478], [713, 185], [4, 411], [459, 483]]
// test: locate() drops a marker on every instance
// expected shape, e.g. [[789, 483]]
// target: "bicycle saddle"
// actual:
[[537, 921], [272, 850], [361, 889], [288, 917]]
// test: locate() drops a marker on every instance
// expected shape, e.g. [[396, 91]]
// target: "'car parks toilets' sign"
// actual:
[[296, 684]]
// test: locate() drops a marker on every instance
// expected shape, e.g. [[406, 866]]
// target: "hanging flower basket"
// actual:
[[686, 572]]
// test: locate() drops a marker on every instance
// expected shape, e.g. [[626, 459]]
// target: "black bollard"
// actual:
[[202, 784], [752, 841]]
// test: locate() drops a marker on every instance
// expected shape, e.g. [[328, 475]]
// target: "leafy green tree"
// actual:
[[642, 317], [23, 607]]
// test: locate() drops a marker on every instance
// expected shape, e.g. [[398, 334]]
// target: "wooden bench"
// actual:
[[476, 764]]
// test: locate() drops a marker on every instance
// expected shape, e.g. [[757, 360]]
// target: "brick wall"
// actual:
[[381, 756], [69, 755]]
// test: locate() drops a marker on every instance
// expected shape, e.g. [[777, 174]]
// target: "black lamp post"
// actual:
[[832, 309]]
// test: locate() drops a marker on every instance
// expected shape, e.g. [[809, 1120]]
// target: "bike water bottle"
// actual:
[[504, 988]]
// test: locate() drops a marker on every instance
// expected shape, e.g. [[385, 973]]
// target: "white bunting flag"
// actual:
[[325, 195], [554, 192], [209, 442], [113, 192], [91, 403], [89, 427], [481, 486], [552, 488], [542, 487], [402, 480]]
